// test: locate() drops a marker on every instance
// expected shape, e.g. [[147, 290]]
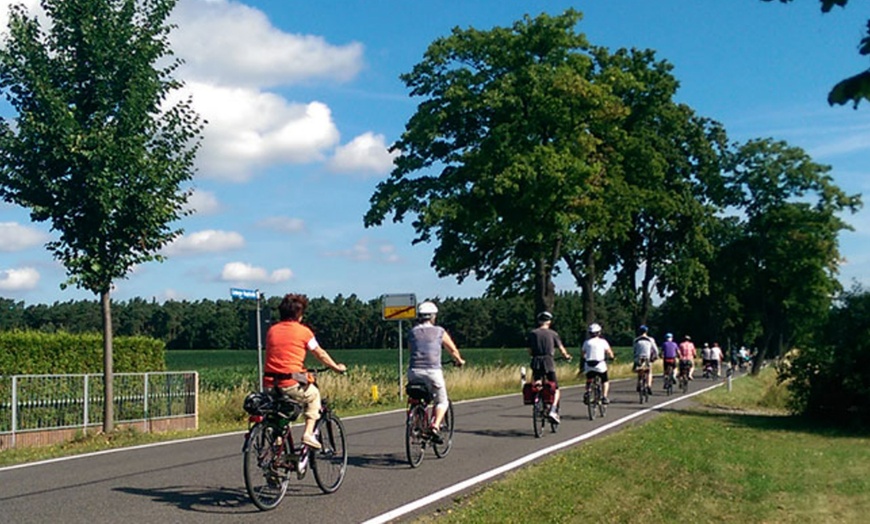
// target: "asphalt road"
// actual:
[[201, 480]]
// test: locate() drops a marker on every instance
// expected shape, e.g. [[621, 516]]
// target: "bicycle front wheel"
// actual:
[[441, 450], [538, 417], [415, 428], [264, 484], [330, 461]]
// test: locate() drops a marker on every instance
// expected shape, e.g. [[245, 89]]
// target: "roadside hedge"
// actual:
[[33, 352]]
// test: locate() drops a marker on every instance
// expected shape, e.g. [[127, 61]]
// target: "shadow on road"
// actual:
[[498, 432], [378, 461]]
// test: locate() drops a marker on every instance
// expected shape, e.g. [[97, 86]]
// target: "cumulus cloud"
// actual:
[[248, 129], [15, 237], [283, 224], [242, 272], [366, 153], [203, 203], [229, 43], [21, 279], [208, 241]]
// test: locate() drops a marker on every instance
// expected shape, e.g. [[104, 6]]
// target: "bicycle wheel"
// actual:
[[599, 393], [441, 450], [538, 417], [593, 399], [684, 384], [330, 461], [415, 427], [265, 485], [669, 385]]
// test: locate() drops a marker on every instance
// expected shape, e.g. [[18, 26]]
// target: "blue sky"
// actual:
[[303, 99]]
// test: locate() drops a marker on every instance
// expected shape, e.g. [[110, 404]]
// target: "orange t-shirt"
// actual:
[[286, 344]]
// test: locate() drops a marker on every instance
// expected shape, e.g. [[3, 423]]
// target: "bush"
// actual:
[[33, 352], [830, 380]]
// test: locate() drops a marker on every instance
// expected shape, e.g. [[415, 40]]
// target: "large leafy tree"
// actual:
[[667, 160], [788, 244], [97, 149], [856, 87], [502, 157]]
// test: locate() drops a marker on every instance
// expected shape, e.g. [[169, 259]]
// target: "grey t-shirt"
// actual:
[[425, 341]]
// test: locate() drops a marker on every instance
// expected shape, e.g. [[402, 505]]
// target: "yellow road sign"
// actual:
[[400, 307]]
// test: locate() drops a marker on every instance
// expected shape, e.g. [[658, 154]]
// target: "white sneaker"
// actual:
[[310, 441], [554, 417]]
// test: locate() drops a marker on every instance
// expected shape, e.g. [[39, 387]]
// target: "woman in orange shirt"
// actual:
[[287, 343]]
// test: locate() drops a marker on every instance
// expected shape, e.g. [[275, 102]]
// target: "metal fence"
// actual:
[[48, 402]]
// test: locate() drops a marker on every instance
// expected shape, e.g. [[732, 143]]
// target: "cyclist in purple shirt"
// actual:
[[669, 355]]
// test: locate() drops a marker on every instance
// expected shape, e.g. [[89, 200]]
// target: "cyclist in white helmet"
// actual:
[[425, 341], [595, 352]]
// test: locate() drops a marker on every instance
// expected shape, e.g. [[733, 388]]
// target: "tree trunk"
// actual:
[[584, 277], [108, 374], [545, 291]]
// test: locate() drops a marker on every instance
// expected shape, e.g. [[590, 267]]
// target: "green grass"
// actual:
[[747, 462]]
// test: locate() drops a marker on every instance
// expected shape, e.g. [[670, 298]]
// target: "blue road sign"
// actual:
[[249, 294]]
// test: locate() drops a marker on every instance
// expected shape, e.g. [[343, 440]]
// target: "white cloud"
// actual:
[[241, 272], [362, 252], [229, 43], [21, 279], [203, 203], [208, 241], [283, 224], [367, 153], [249, 129], [15, 237]]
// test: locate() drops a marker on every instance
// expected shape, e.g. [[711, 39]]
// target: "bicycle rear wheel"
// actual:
[[415, 428], [441, 450], [539, 418], [594, 399], [599, 395], [265, 485], [330, 461]]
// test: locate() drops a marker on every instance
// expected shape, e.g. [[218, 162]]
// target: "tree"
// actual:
[[97, 148], [789, 240], [506, 147], [854, 88]]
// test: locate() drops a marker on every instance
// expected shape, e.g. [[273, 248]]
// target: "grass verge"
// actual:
[[736, 458]]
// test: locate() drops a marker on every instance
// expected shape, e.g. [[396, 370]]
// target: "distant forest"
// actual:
[[340, 323]]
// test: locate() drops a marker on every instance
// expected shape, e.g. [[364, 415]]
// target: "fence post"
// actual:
[[145, 414], [86, 413], [14, 407]]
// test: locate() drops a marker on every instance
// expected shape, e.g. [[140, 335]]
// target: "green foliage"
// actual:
[[829, 379], [31, 352]]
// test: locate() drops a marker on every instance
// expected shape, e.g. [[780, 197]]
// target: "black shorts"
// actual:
[[592, 373], [550, 376]]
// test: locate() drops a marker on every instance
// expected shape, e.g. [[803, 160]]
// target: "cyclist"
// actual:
[[669, 355], [716, 357], [542, 344], [687, 353], [595, 350], [706, 358], [645, 353], [287, 343], [425, 341]]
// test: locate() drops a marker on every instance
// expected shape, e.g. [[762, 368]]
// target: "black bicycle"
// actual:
[[669, 379], [419, 419], [683, 378], [271, 455], [540, 394], [643, 372], [594, 397]]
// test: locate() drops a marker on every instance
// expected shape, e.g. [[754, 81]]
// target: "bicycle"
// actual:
[[683, 378], [540, 395], [594, 397], [669, 379], [419, 419], [270, 454], [643, 372]]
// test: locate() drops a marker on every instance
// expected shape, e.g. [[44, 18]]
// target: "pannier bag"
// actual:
[[529, 391], [548, 392], [417, 391]]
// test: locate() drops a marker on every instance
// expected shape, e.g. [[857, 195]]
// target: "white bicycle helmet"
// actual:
[[426, 309], [595, 328]]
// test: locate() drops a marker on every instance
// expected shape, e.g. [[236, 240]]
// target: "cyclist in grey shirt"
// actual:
[[425, 342]]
